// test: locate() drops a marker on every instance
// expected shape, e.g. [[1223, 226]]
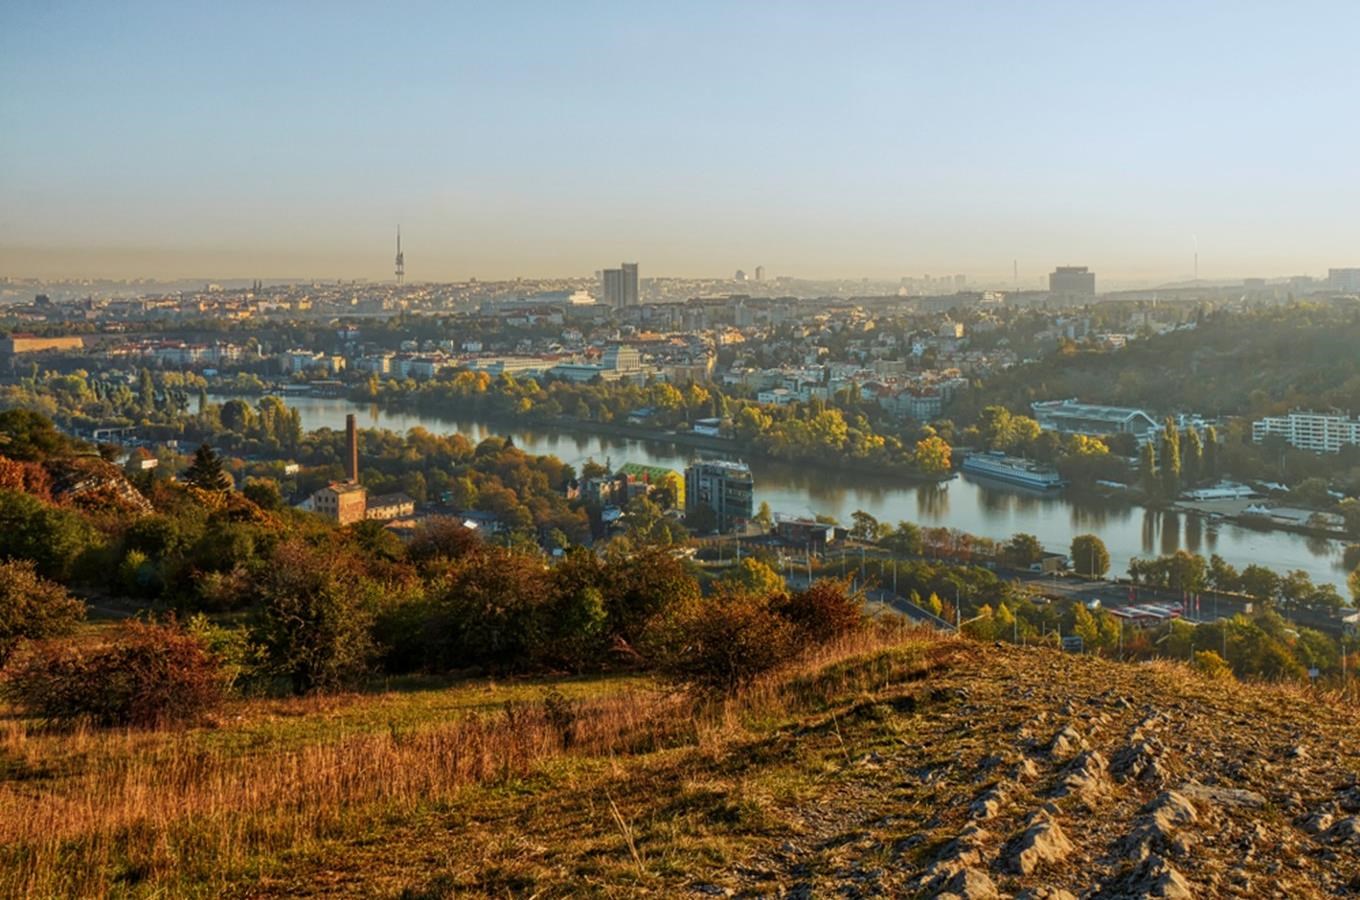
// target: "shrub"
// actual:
[[720, 642], [639, 586], [315, 617], [50, 536], [1209, 663], [442, 538], [31, 607], [490, 609], [146, 675], [823, 612], [242, 662]]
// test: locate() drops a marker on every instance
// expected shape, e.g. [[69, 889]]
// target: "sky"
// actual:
[[849, 139]]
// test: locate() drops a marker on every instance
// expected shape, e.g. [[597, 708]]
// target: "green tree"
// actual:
[[1259, 582], [1209, 467], [314, 618], [1171, 460], [1222, 576], [1023, 550], [1147, 468], [205, 471], [51, 537], [1089, 556], [865, 527], [1192, 460], [146, 392], [264, 493], [904, 540], [28, 435]]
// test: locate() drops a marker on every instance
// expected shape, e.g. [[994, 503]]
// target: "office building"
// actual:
[[1072, 281], [724, 487], [1313, 431], [620, 286], [631, 295], [760, 273]]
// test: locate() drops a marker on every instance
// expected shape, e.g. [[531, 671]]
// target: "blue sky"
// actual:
[[848, 139]]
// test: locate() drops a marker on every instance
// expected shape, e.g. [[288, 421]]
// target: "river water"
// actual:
[[977, 507]]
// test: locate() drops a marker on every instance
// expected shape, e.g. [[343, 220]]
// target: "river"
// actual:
[[981, 508]]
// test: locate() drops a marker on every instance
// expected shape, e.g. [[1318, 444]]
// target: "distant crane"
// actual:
[[401, 259]]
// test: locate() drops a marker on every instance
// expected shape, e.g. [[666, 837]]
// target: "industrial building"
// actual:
[[1073, 417]]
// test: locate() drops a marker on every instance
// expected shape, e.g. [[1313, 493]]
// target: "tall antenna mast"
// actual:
[[401, 259]]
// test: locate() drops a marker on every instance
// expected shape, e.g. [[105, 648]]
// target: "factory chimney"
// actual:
[[352, 448]]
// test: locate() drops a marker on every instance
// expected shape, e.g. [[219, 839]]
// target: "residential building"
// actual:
[[1344, 279], [724, 487], [1314, 431]]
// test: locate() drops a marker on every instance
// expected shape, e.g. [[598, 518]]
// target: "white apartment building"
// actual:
[[1318, 432]]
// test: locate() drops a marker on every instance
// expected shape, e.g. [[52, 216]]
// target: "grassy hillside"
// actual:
[[887, 765]]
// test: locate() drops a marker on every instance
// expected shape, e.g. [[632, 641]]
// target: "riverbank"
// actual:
[[702, 442]]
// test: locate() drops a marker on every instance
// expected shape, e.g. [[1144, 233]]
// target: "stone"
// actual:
[[1140, 761], [1318, 822], [1084, 777], [988, 804], [1158, 878], [1067, 742], [1222, 796], [1344, 832], [971, 884], [1042, 843]]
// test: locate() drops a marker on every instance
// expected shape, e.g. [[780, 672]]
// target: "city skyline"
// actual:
[[858, 143]]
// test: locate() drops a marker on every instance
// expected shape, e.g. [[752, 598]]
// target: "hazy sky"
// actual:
[[288, 139]]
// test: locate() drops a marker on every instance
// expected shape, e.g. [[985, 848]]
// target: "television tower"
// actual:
[[401, 259]]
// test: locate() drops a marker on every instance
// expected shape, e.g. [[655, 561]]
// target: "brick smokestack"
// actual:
[[352, 448]]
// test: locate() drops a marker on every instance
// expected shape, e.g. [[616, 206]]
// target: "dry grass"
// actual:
[[99, 813]]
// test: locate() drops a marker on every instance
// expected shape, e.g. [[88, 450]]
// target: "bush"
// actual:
[[490, 609], [31, 607], [54, 538], [823, 612], [145, 676], [315, 617], [720, 642]]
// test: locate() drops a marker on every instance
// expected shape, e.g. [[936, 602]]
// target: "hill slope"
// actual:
[[981, 769], [913, 766]]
